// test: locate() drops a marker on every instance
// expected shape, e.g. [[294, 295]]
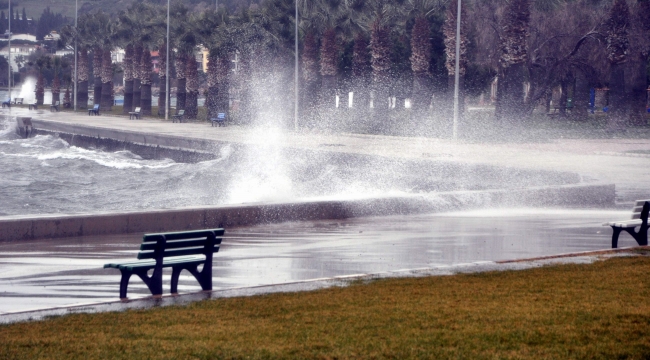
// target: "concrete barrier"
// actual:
[[47, 227]]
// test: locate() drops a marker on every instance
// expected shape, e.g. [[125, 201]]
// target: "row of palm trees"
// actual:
[[363, 46]]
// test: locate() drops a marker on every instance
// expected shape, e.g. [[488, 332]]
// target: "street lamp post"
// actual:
[[295, 115], [167, 97], [9, 56], [456, 74], [75, 55]]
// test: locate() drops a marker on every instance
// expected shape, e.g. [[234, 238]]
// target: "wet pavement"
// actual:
[[65, 272]]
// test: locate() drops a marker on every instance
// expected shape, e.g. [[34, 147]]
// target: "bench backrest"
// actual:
[[221, 116], [56, 104], [158, 246], [137, 110], [181, 112], [638, 209], [96, 107]]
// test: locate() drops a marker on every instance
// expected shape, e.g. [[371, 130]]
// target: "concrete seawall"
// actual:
[[18, 228]]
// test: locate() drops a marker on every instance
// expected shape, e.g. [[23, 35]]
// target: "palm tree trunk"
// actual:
[[639, 92], [56, 89], [137, 75], [128, 79], [97, 74], [82, 87], [580, 97], [162, 93], [360, 82], [510, 96], [310, 79], [145, 79], [329, 71], [617, 48], [40, 88], [420, 62], [381, 63], [107, 82], [180, 81], [192, 87], [223, 98], [449, 31]]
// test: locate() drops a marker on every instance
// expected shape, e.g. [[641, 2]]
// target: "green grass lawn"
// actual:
[[596, 311]]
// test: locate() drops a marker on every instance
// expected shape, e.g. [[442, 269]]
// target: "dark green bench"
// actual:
[[178, 250], [639, 219]]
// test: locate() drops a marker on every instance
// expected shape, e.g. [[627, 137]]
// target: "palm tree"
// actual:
[[449, 31], [180, 65], [140, 27], [42, 62], [191, 87], [129, 53], [145, 81], [107, 80], [382, 16], [98, 54], [310, 74], [381, 64], [184, 41], [56, 82], [514, 53], [640, 53], [218, 35], [617, 48], [162, 75], [360, 73], [82, 78], [137, 76]]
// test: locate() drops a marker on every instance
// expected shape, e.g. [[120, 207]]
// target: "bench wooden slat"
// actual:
[[624, 223], [150, 264], [176, 244], [182, 235], [165, 261], [639, 203], [180, 252]]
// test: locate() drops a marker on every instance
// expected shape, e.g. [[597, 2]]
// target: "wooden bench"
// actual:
[[55, 106], [18, 101], [94, 110], [220, 119], [178, 116], [135, 113], [6, 103], [33, 106], [178, 250], [639, 219]]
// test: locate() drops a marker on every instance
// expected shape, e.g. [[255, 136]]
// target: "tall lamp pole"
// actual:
[[167, 97], [456, 74], [9, 57], [75, 55], [295, 115]]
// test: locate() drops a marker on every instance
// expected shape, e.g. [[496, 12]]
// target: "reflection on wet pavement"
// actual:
[[50, 273]]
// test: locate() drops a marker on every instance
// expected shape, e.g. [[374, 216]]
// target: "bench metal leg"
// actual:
[[204, 277], [615, 234], [641, 236], [124, 283], [176, 271], [154, 283]]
